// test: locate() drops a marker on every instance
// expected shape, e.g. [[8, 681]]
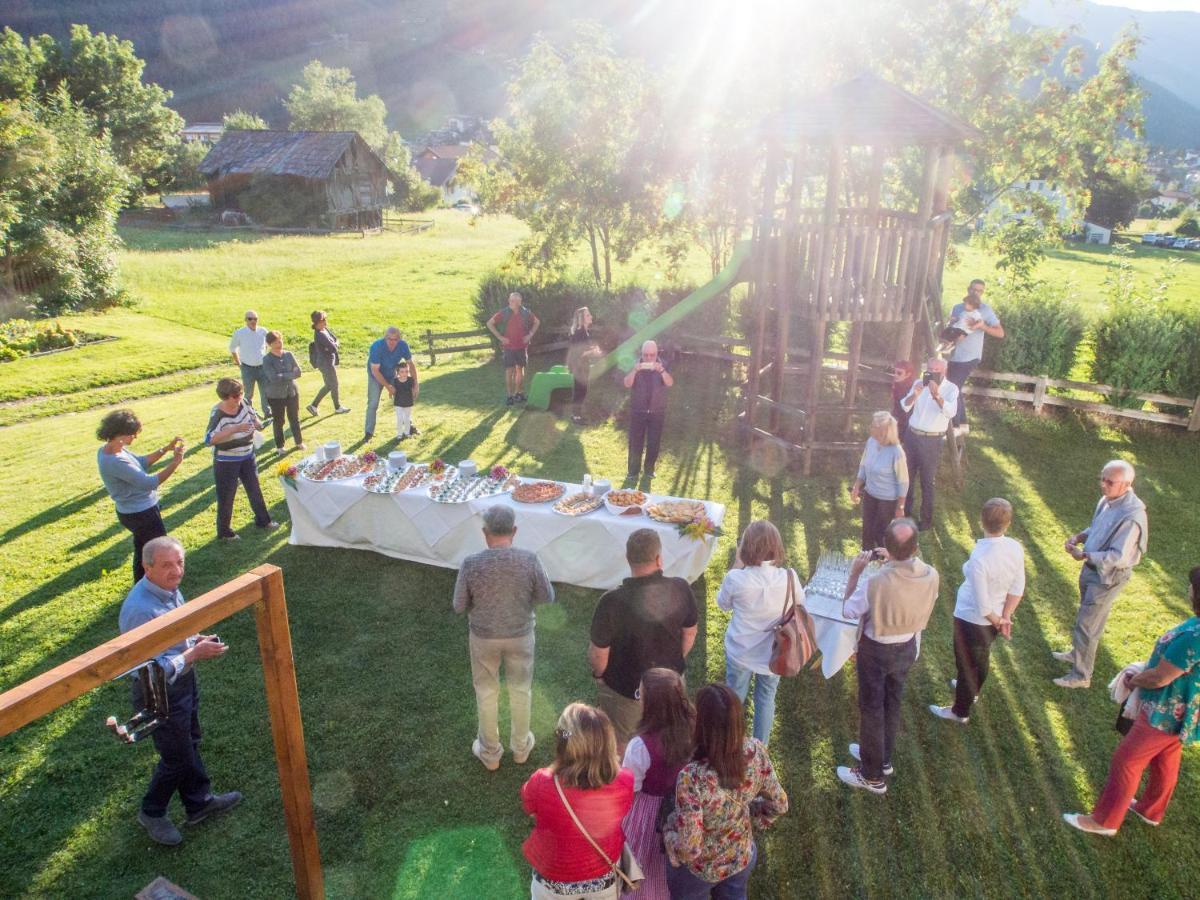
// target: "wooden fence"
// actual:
[[433, 343]]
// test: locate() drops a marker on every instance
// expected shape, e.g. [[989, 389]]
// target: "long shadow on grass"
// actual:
[[59, 511]]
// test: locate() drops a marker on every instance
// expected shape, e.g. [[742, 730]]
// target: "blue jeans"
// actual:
[[765, 687], [251, 376], [686, 886], [374, 389]]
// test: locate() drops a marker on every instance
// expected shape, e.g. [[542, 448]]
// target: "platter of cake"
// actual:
[[339, 469], [625, 502], [538, 491], [578, 504]]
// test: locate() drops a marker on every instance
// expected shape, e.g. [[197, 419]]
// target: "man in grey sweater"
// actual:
[[498, 589]]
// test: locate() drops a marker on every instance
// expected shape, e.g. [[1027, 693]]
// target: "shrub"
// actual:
[[1183, 375], [19, 338], [553, 302], [1042, 330], [1139, 341], [1189, 226]]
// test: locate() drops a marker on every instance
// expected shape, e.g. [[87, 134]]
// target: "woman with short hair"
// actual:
[[882, 481], [1168, 720], [127, 478], [280, 371], [232, 425], [325, 356], [755, 591], [600, 793], [655, 756], [727, 791]]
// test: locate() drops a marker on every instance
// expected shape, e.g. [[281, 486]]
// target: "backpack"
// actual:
[[314, 355], [506, 315]]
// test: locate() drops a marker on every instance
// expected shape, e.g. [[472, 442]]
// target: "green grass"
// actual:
[[403, 810]]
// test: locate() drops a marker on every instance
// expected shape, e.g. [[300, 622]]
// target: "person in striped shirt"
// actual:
[[231, 429]]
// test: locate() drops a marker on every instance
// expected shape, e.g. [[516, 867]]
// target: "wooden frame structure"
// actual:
[[842, 263], [261, 588]]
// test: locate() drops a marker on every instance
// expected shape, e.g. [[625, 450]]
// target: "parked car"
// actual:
[[1193, 244], [1149, 238], [1180, 243], [1165, 240]]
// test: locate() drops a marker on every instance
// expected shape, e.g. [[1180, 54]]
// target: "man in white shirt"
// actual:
[[247, 347], [993, 584], [974, 319], [931, 404]]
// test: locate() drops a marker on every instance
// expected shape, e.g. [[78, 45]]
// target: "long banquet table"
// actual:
[[588, 551]]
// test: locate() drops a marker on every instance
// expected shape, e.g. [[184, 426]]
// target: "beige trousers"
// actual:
[[516, 656]]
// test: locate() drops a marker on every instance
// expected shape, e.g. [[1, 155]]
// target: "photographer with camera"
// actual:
[[647, 383], [931, 404]]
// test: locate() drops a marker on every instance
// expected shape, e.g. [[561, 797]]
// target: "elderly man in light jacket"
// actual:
[[1112, 545]]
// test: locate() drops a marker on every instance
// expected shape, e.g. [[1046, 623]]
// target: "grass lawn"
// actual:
[[403, 809]]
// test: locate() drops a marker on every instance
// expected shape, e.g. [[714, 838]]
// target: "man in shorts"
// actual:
[[514, 326]]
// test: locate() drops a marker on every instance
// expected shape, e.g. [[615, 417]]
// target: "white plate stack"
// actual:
[[397, 460], [468, 469], [333, 449]]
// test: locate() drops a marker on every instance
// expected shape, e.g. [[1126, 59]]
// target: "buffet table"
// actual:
[[587, 550], [836, 635]]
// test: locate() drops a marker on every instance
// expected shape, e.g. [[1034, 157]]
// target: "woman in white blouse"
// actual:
[[755, 590]]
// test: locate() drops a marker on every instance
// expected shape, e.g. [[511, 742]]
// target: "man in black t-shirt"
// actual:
[[649, 621], [647, 383]]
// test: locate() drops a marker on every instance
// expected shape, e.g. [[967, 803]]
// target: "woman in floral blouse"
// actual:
[[1169, 719], [728, 789]]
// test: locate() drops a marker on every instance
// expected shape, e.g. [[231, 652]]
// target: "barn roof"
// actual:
[[307, 154], [436, 171], [867, 110]]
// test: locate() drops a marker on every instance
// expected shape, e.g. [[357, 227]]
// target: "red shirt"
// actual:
[[514, 333], [556, 849]]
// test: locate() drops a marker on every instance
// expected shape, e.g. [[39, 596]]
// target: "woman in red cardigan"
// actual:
[[565, 864]]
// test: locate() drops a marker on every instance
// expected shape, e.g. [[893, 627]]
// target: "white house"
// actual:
[[1170, 199], [202, 133]]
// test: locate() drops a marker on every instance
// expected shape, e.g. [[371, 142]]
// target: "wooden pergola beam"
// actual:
[[261, 588]]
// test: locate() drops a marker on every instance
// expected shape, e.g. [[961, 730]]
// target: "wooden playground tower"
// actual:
[[842, 261]]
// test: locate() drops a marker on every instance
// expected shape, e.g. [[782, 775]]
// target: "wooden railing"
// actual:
[[262, 589], [433, 343]]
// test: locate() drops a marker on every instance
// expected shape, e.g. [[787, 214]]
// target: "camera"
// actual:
[[927, 377], [877, 553]]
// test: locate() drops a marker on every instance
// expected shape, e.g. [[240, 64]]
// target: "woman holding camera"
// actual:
[[585, 782], [882, 480], [231, 429]]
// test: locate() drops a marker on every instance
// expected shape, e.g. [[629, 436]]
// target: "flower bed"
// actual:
[[19, 338]]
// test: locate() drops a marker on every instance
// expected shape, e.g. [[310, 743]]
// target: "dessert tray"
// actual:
[[538, 491], [578, 505], [338, 469], [457, 488], [677, 512], [625, 503]]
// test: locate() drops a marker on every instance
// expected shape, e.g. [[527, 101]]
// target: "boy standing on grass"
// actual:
[[404, 396]]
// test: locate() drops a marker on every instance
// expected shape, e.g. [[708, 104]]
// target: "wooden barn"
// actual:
[[328, 179]]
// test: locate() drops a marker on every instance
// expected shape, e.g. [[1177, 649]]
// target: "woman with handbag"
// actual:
[[755, 590], [728, 790], [655, 756], [577, 848], [1169, 720]]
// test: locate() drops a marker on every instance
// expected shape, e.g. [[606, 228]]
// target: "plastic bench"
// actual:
[[544, 384]]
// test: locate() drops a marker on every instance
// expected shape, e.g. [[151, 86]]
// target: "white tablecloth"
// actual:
[[837, 637], [588, 551]]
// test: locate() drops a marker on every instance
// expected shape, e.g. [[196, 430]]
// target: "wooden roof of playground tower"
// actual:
[[867, 111]]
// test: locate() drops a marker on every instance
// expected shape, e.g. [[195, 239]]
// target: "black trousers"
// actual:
[[877, 515], [177, 741], [882, 671], [972, 650], [290, 405], [578, 395], [330, 386], [958, 372], [146, 526], [227, 474], [923, 454], [645, 430]]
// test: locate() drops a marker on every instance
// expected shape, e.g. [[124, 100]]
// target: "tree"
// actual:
[[1115, 199], [184, 170], [102, 76], [240, 120], [581, 150], [410, 192], [326, 99]]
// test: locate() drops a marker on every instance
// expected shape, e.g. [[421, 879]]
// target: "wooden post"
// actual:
[[758, 284], [816, 357], [429, 341], [856, 339], [287, 730], [1039, 394], [1194, 422]]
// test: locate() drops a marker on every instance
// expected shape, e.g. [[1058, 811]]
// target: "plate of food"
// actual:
[[538, 491], [677, 512], [578, 505], [625, 503], [459, 488], [341, 468], [387, 482]]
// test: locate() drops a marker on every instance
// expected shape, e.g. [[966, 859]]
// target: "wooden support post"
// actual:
[[287, 731], [815, 356], [429, 341], [856, 339], [958, 447], [1039, 394], [1194, 421], [759, 289]]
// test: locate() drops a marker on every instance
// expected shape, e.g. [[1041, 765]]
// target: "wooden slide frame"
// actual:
[[261, 588]]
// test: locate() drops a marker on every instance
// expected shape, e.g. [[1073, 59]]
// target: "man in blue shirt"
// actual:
[[177, 740], [974, 319], [384, 356]]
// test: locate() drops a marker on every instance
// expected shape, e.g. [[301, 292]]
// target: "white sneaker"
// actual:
[[520, 758], [853, 777], [1063, 655], [1133, 809], [954, 684], [342, 410], [477, 749], [1068, 682], [855, 752], [1075, 820], [310, 409], [947, 713]]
